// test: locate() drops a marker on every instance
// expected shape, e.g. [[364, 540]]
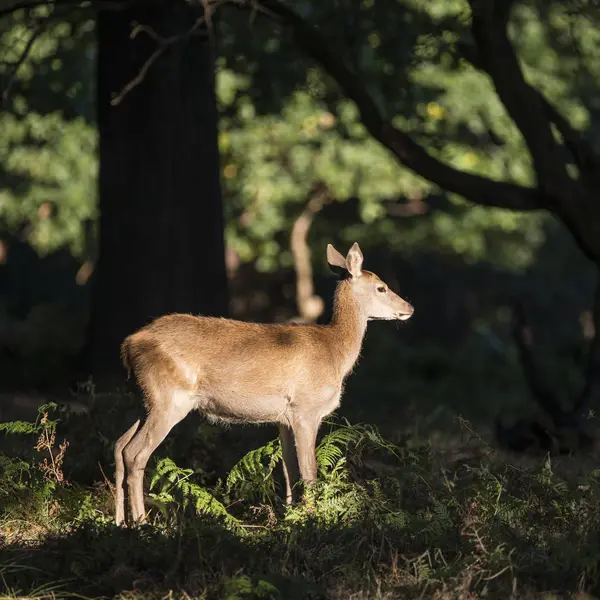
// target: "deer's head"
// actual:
[[372, 295]]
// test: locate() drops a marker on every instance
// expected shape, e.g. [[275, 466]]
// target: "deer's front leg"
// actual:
[[305, 434]]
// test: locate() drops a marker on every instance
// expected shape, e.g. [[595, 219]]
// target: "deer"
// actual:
[[288, 374]]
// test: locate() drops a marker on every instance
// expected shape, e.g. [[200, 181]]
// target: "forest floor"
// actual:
[[401, 518]]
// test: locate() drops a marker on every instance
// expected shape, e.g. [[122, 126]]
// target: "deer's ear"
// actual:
[[354, 260], [337, 263]]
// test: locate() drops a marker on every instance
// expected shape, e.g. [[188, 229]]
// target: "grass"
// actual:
[[401, 519]]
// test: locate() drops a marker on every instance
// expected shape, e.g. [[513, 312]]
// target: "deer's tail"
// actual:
[[125, 355]]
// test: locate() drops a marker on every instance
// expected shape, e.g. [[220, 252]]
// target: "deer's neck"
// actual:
[[348, 327]]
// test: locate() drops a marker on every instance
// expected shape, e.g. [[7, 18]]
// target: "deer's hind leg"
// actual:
[[290, 461], [136, 454], [169, 390], [120, 472]]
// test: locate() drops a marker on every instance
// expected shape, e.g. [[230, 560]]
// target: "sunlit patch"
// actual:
[[435, 111], [84, 273], [230, 171], [326, 120], [45, 210], [587, 325], [470, 159], [246, 218], [309, 124], [3, 252]]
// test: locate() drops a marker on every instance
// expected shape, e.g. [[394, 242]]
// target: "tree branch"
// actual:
[[480, 190], [162, 45], [565, 197], [585, 157], [498, 59]]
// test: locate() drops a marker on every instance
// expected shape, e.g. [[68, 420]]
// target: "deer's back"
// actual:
[[235, 356]]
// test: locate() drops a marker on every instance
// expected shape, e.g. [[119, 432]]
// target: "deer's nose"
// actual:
[[407, 312]]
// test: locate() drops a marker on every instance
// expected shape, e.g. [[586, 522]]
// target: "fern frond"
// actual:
[[31, 427], [19, 427], [176, 488], [253, 474]]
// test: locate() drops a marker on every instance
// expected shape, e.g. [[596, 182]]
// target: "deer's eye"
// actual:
[[382, 289]]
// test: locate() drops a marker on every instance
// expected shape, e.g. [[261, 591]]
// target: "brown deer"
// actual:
[[238, 372]]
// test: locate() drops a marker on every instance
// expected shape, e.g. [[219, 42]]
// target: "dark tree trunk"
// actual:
[[161, 222]]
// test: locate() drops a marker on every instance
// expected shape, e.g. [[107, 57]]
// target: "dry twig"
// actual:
[[163, 44]]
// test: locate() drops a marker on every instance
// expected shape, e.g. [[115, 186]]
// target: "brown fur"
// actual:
[[239, 372]]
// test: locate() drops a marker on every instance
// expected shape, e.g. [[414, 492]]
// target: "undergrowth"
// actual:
[[385, 520]]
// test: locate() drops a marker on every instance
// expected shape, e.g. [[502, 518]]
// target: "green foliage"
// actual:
[[28, 484], [15, 475], [354, 439], [404, 519], [48, 162], [280, 139], [285, 127], [393, 519], [242, 586], [252, 476], [175, 489], [29, 427], [52, 166], [272, 163]]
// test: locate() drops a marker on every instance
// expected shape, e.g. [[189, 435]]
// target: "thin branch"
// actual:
[[38, 29], [475, 188], [139, 78], [163, 44]]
